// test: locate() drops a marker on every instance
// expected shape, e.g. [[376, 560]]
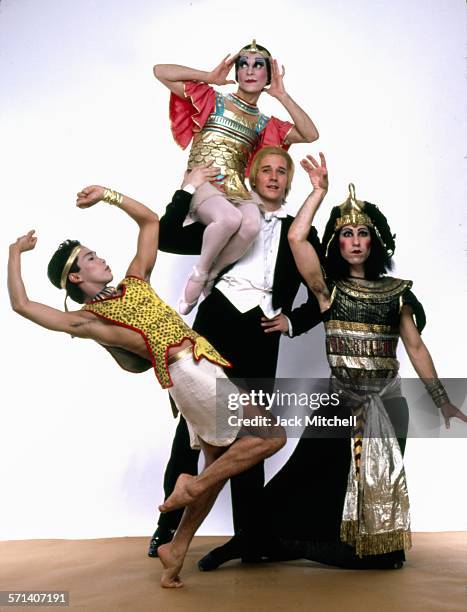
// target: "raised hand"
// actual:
[[219, 75], [200, 174], [318, 173], [89, 196], [26, 243], [276, 89], [450, 411]]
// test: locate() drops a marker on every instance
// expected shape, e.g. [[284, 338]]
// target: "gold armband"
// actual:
[[437, 391], [112, 197]]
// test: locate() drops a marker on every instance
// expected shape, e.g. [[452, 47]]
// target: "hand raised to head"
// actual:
[[26, 242], [276, 88], [218, 76], [89, 196], [317, 172]]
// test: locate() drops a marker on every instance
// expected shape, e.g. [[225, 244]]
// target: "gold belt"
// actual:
[[179, 354]]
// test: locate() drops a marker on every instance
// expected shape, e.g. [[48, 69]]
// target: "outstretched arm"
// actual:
[[422, 361], [173, 76], [74, 323], [304, 129], [147, 220], [305, 255]]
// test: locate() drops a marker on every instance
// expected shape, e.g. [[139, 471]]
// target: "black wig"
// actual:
[[382, 246], [55, 269]]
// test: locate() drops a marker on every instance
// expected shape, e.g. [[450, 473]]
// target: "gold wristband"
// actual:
[[112, 197], [437, 391]]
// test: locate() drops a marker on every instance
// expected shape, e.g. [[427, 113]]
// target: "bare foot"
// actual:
[[172, 563], [181, 496]]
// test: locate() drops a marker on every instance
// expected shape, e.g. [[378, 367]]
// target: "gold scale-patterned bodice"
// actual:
[[227, 139], [139, 308], [362, 328]]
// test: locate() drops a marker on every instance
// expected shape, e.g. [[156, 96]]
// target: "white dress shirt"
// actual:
[[249, 281]]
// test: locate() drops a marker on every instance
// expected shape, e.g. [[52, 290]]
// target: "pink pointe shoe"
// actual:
[[197, 277]]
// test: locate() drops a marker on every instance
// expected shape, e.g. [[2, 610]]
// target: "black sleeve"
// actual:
[[419, 313], [319, 248], [306, 316], [173, 236]]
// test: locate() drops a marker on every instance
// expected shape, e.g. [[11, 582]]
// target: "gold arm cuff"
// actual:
[[112, 197], [437, 391]]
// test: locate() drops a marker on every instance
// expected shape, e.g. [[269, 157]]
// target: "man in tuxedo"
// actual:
[[250, 305]]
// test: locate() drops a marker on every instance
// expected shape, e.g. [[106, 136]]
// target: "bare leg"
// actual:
[[172, 555], [222, 220], [243, 454]]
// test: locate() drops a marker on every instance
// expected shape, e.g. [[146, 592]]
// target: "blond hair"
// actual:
[[258, 158]]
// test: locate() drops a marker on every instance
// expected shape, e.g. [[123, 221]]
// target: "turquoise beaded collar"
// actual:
[[251, 109]]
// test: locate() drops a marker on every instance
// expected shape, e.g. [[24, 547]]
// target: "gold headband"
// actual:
[[68, 264], [254, 49]]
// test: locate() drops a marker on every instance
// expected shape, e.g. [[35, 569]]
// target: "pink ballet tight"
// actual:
[[229, 232]]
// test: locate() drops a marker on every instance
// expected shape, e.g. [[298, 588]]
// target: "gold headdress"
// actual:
[[352, 212], [254, 48], [356, 212]]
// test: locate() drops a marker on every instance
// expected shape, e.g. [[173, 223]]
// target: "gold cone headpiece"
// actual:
[[356, 212], [254, 48], [352, 212]]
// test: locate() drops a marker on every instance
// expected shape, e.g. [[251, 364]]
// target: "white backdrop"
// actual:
[[84, 444]]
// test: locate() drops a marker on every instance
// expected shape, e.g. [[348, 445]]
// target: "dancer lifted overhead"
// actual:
[[228, 130]]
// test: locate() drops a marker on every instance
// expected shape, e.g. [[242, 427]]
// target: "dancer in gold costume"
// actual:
[[365, 313], [227, 131], [141, 331]]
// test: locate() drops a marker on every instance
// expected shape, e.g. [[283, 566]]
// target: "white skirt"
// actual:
[[201, 392]]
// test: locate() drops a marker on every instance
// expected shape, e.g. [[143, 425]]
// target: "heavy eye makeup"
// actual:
[[258, 63], [362, 233]]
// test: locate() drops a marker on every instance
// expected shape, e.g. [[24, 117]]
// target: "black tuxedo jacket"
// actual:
[[175, 238]]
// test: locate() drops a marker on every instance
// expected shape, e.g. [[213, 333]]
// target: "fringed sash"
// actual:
[[376, 518]]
